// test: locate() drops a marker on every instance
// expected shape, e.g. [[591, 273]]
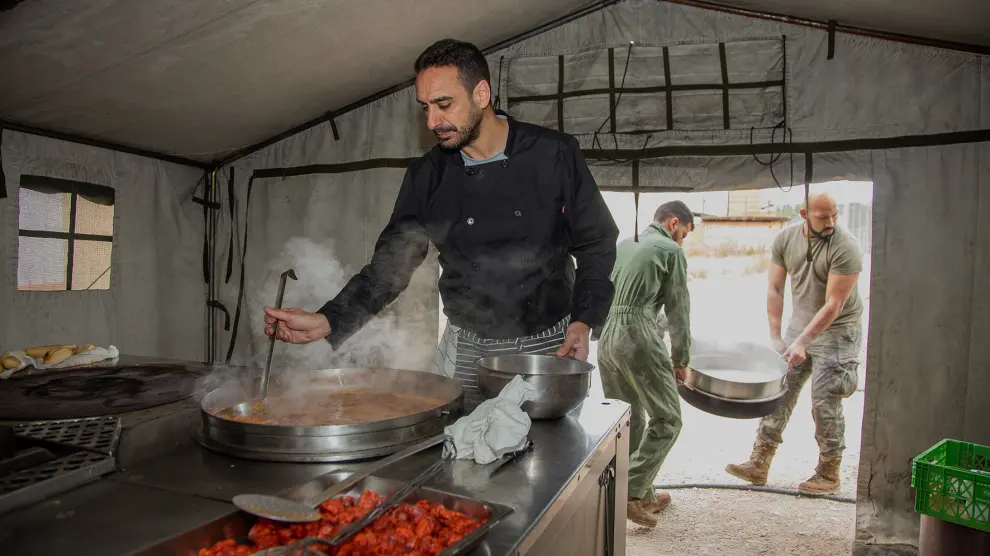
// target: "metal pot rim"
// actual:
[[740, 401], [755, 357], [209, 407], [484, 365]]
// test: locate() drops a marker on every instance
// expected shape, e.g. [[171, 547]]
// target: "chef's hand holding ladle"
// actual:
[[295, 326]]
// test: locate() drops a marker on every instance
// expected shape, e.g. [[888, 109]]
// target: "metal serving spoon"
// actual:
[[276, 508]]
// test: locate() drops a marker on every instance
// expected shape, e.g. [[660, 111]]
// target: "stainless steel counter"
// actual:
[[555, 485]]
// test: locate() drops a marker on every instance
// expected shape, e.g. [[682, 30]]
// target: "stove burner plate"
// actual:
[[98, 391]]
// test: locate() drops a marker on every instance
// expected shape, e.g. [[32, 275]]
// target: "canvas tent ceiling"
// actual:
[[201, 79]]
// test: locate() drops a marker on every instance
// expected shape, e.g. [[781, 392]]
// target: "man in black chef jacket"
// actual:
[[506, 204]]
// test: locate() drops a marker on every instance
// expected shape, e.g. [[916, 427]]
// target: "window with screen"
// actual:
[[66, 235]]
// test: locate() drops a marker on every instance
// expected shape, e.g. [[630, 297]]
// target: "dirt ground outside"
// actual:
[[721, 523]]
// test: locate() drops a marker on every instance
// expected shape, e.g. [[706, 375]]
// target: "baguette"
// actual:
[[41, 351], [58, 355], [84, 348], [10, 362]]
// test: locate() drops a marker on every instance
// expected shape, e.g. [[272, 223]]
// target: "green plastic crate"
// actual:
[[952, 482]]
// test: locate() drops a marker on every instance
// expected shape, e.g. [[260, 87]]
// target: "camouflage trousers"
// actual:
[[833, 367]]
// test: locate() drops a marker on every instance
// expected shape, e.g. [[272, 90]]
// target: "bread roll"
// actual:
[[85, 348], [10, 362], [58, 355], [42, 351]]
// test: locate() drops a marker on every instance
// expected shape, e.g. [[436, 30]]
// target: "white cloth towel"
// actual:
[[94, 355], [496, 427]]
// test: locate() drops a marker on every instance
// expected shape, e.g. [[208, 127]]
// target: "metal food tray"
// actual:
[[237, 524]]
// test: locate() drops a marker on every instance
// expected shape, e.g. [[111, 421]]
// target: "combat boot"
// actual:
[[639, 512], [659, 503], [756, 469], [825, 479]]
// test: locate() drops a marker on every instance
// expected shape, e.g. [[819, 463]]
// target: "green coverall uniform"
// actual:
[[649, 276]]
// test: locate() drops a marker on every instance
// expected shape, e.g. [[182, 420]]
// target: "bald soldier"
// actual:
[[822, 342]]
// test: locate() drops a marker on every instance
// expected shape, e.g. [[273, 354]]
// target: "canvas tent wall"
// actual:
[[710, 100]]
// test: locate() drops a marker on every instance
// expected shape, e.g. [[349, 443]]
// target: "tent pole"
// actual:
[[824, 26]]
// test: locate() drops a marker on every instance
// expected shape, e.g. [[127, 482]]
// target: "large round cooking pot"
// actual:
[[369, 438], [562, 383], [739, 381]]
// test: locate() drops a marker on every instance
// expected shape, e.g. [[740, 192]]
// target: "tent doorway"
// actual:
[[728, 260]]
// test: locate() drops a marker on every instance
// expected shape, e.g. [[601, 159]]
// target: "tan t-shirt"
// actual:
[[840, 255]]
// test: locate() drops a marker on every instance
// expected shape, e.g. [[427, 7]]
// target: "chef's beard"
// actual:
[[463, 136]]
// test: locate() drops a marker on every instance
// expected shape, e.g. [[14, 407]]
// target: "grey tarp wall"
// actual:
[[926, 374], [155, 304]]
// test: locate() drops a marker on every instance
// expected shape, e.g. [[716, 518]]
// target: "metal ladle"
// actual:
[[259, 407]]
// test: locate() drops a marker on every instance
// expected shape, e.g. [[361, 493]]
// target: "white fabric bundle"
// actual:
[[496, 427]]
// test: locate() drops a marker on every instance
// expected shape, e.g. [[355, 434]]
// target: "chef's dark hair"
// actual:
[[470, 62], [674, 209]]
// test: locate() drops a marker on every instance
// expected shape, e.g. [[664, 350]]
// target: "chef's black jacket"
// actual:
[[505, 232]]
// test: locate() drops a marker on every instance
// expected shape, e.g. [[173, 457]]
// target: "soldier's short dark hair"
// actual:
[[674, 209], [471, 65]]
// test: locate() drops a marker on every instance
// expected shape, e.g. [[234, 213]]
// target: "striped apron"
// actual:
[[459, 350]]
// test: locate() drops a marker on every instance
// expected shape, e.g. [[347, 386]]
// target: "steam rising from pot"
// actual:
[[395, 339]]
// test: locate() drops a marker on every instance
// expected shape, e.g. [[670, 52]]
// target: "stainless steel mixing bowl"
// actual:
[[562, 383]]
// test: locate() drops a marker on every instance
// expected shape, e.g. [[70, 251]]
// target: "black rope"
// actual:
[[774, 157], [750, 488], [596, 142]]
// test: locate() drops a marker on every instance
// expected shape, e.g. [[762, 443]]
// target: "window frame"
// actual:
[[47, 185]]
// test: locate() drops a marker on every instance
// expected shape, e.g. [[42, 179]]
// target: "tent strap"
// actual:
[[635, 184], [747, 149], [3, 178], [240, 287], [230, 243]]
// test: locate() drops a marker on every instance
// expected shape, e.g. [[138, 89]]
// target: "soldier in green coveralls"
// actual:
[[650, 275]]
